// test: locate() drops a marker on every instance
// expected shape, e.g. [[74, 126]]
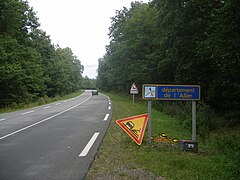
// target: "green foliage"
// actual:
[[88, 83], [228, 147], [21, 72], [64, 73], [178, 42], [131, 41], [30, 66]]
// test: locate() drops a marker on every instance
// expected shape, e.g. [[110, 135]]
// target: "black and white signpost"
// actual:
[[133, 90]]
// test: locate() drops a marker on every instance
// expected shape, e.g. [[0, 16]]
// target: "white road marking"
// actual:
[[57, 104], [3, 119], [109, 103], [107, 97], [89, 145], [106, 117], [109, 107], [26, 112], [46, 107], [65, 101], [27, 127]]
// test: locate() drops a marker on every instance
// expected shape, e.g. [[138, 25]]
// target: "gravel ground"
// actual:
[[126, 174]]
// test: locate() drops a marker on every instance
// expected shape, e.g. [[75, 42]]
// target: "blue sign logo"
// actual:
[[150, 92]]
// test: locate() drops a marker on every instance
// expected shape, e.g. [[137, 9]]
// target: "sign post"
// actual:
[[171, 92], [194, 120], [133, 98], [133, 90], [149, 122]]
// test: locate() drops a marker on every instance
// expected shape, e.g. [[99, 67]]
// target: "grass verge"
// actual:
[[41, 101], [121, 158]]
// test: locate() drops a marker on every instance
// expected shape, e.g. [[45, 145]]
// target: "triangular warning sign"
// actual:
[[134, 126], [133, 87]]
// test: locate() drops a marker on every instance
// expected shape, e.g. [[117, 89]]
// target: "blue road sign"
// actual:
[[170, 92]]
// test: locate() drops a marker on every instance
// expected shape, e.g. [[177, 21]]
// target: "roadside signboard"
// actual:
[[134, 126], [170, 92], [134, 89]]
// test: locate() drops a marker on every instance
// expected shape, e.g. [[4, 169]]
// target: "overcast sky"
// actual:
[[81, 25]]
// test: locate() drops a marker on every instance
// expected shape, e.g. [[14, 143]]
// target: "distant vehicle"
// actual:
[[94, 92]]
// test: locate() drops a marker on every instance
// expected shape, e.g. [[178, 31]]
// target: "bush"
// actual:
[[227, 145]]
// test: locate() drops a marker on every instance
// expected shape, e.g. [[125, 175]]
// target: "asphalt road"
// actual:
[[54, 141]]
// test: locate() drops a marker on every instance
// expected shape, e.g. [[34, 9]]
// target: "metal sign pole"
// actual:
[[133, 98], [149, 122], [194, 120]]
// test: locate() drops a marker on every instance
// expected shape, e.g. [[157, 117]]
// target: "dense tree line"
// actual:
[[177, 42], [88, 83], [31, 67]]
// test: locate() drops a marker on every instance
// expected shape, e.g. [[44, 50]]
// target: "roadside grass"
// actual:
[[39, 102], [121, 158]]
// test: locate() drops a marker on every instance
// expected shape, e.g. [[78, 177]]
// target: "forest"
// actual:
[[189, 42], [31, 66]]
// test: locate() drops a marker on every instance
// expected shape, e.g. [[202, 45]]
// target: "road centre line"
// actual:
[[27, 112], [46, 119], [109, 107], [3, 119], [46, 107], [57, 104], [89, 145], [106, 117]]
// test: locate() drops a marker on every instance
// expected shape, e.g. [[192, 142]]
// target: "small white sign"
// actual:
[[134, 89]]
